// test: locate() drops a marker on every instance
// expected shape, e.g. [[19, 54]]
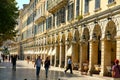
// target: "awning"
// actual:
[[69, 51], [49, 53], [53, 52]]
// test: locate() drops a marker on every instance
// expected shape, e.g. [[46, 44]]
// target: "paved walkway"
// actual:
[[27, 71]]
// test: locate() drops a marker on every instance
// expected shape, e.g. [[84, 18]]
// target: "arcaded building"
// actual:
[[88, 31]]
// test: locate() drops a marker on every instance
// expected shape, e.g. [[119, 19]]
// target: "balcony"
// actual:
[[53, 6], [39, 18]]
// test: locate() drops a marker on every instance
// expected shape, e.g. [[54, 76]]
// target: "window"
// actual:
[[70, 12], [47, 5], [86, 6], [53, 20], [77, 7], [60, 16], [48, 23], [97, 4], [110, 1], [40, 27], [30, 19]]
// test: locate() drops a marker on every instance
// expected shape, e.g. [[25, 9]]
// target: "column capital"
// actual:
[[73, 42], [61, 43], [56, 44], [67, 42], [117, 37]]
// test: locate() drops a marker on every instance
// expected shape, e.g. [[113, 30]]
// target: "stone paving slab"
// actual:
[[25, 70]]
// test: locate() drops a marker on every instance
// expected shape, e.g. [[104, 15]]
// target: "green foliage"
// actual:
[[8, 19], [5, 51], [79, 17]]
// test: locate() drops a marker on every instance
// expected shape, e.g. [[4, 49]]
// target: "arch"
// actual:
[[97, 30], [63, 38], [76, 35], [86, 33], [96, 46], [84, 55], [69, 36], [53, 39], [111, 27]]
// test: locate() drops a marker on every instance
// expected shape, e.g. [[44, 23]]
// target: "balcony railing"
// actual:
[[53, 6], [39, 18]]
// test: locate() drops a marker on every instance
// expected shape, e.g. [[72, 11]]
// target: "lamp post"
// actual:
[[83, 38], [108, 35], [94, 37]]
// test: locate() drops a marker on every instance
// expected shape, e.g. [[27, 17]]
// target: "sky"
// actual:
[[21, 2]]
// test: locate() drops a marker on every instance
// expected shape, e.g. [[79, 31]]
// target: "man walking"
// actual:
[[38, 65], [13, 60], [69, 65]]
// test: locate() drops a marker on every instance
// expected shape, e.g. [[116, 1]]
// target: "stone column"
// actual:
[[66, 13], [56, 56], [42, 51], [60, 57], [66, 49], [118, 47], [74, 9], [91, 58], [74, 53], [50, 56], [83, 54], [105, 56], [45, 53]]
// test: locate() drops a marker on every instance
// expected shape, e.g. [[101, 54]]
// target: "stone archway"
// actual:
[[111, 30], [96, 49], [84, 49], [108, 47], [75, 49]]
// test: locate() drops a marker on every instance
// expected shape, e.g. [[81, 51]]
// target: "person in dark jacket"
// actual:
[[13, 60], [47, 65]]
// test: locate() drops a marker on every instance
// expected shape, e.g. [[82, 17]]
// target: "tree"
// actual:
[[8, 19]]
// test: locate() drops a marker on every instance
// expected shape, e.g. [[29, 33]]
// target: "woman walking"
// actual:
[[47, 64]]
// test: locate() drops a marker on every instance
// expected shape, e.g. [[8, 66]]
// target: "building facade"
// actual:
[[88, 31]]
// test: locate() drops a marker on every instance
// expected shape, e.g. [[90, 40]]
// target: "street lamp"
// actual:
[[108, 35], [94, 37], [83, 38]]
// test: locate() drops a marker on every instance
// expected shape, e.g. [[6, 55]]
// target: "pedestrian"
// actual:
[[116, 70], [3, 57], [38, 65], [0, 58], [69, 65], [47, 65], [13, 60], [28, 59], [9, 58]]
